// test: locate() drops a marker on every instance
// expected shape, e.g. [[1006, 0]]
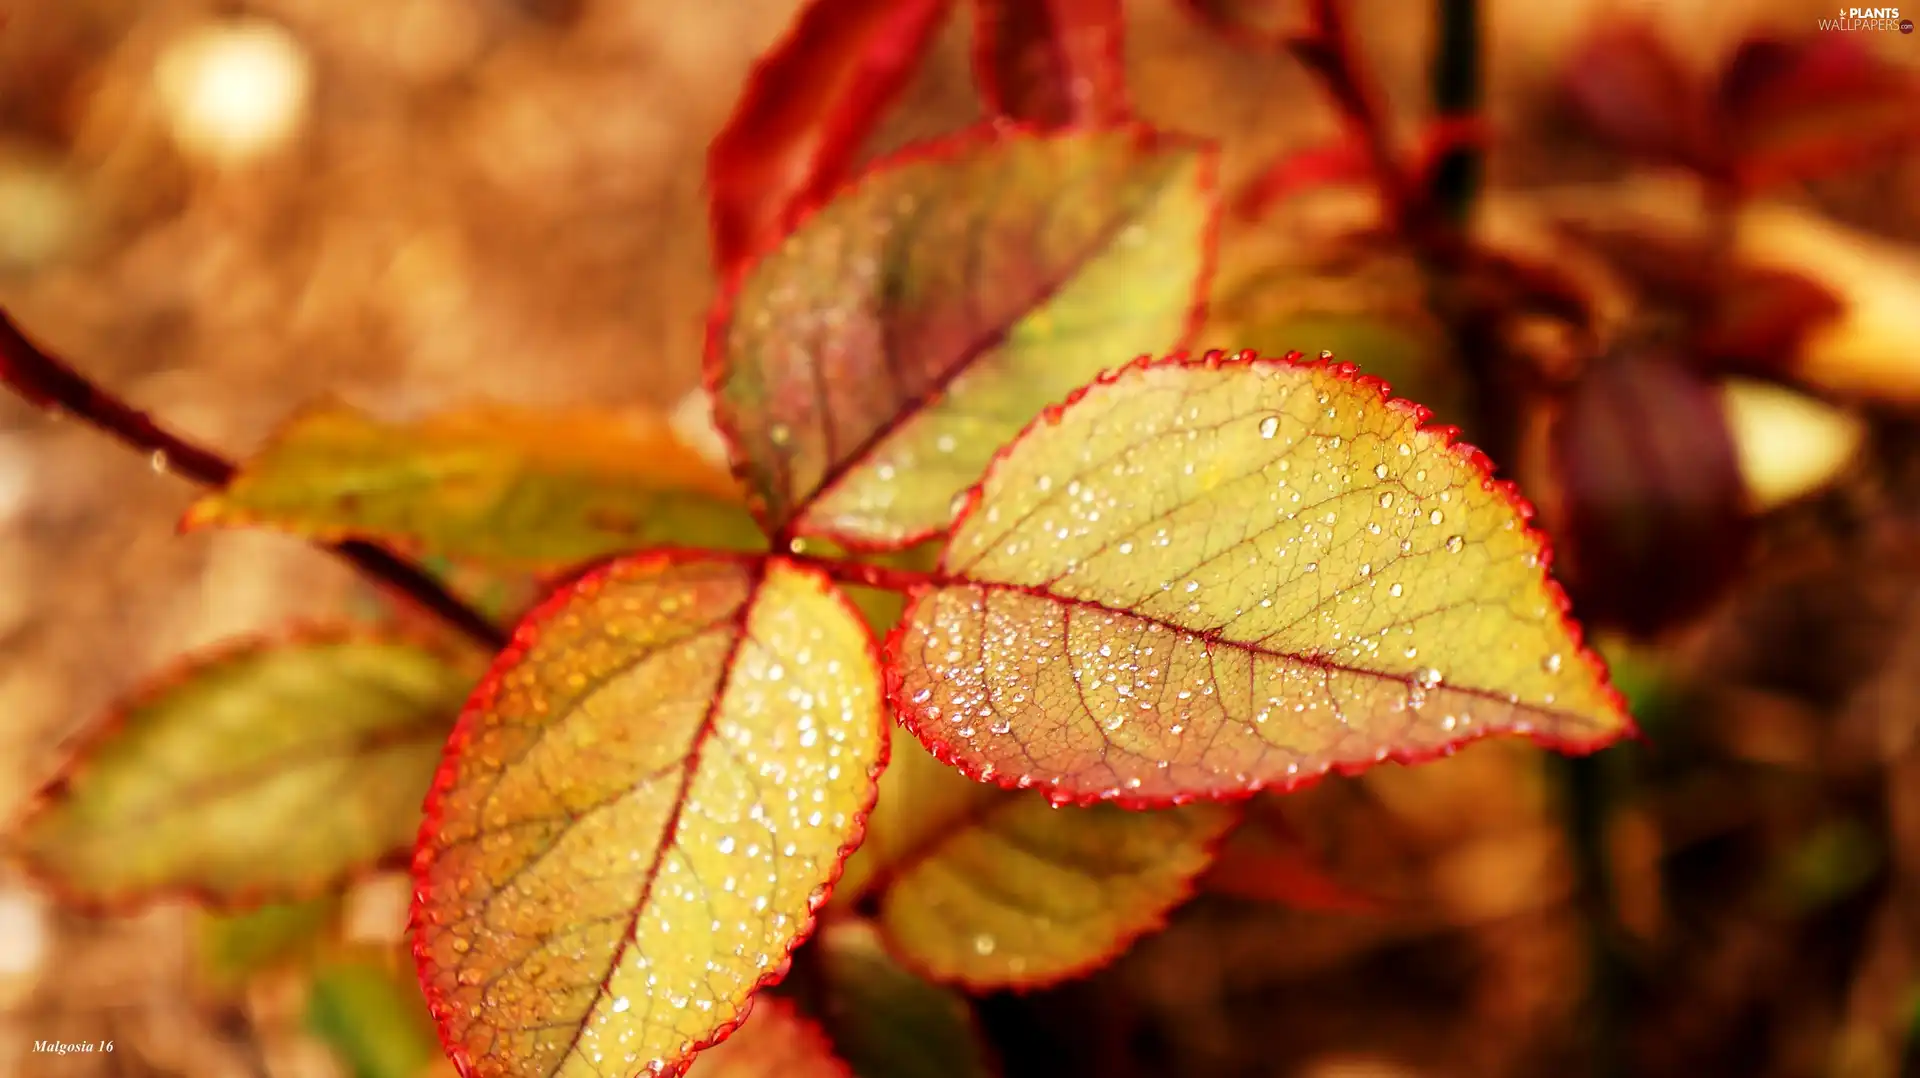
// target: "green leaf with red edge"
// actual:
[[806, 109], [888, 1022], [1051, 62], [639, 811], [267, 771], [1201, 578], [507, 486], [775, 1042], [866, 371], [992, 888]]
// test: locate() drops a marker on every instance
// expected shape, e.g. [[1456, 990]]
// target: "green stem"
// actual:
[[1454, 184], [1585, 790]]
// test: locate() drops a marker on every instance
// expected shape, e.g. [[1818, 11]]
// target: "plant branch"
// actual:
[[1327, 50], [49, 383], [868, 575], [1454, 181]]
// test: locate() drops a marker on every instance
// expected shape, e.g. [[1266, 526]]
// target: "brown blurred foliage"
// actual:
[[502, 199]]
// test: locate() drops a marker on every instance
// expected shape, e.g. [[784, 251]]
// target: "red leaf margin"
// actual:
[[1471, 457], [526, 634], [1146, 926], [713, 362], [178, 672], [880, 75]]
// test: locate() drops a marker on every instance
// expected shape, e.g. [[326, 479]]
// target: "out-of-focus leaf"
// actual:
[[1051, 62], [1407, 349], [1761, 317], [233, 946], [1265, 861], [1656, 514], [1254, 23], [888, 1022], [373, 1018], [774, 1042], [1205, 577], [1631, 90], [993, 888], [502, 485], [640, 810], [867, 371], [1831, 863], [1344, 160], [268, 771], [1798, 109], [1789, 444], [804, 113]]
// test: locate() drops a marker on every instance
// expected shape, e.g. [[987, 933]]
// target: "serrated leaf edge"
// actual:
[[713, 365], [526, 634], [1478, 464]]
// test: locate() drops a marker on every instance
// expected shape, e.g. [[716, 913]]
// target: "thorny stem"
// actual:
[[49, 383]]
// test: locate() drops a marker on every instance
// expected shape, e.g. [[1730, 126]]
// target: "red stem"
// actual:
[[49, 383], [868, 575], [1328, 51]]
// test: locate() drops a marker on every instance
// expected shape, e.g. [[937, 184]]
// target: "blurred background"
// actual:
[[229, 210]]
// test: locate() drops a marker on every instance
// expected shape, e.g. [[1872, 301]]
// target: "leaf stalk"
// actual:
[[49, 383]]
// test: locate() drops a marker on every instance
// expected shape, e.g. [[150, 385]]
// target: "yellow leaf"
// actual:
[[1106, 626], [495, 484], [266, 772], [640, 810], [993, 888]]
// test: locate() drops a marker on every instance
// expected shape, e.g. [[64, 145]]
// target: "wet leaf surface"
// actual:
[[805, 111], [640, 810], [1201, 578], [268, 771], [866, 371], [992, 888], [497, 484], [888, 1022]]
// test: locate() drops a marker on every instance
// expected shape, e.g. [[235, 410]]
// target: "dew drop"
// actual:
[[1379, 471], [984, 944], [1551, 664], [1435, 517], [158, 462], [1270, 426], [1395, 591], [780, 434], [1386, 499], [1454, 542], [958, 503], [1427, 677]]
